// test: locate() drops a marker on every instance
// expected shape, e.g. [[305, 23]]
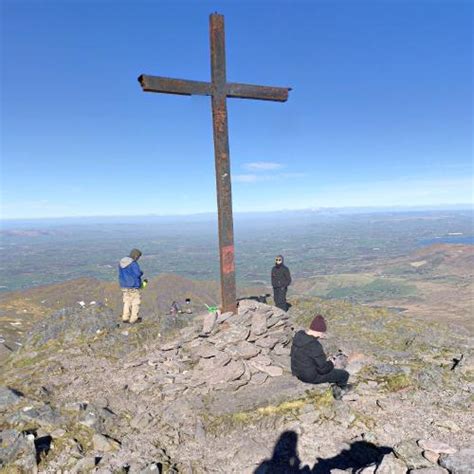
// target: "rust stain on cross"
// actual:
[[219, 90]]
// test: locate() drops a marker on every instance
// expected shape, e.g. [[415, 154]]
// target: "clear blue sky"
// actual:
[[380, 113]]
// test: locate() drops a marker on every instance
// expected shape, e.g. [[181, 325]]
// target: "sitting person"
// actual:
[[309, 362]]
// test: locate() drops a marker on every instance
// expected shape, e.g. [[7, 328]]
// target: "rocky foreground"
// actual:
[[207, 394]]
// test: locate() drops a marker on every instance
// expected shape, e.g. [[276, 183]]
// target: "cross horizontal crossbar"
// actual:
[[167, 85]]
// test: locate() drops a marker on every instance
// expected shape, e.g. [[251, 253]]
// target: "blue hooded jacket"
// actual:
[[130, 275]]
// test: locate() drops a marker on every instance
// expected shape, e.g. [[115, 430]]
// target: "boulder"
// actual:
[[103, 444], [86, 464], [410, 454], [391, 465], [431, 456], [461, 462], [436, 446], [4, 351], [18, 452], [429, 470], [44, 416], [8, 397]]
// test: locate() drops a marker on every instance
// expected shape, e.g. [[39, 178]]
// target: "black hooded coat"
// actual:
[[308, 360], [281, 277]]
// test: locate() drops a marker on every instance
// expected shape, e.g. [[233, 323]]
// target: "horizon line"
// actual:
[[425, 207]]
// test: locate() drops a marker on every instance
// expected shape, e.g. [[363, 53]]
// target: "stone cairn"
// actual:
[[227, 352]]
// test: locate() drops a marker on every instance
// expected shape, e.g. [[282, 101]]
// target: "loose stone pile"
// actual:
[[228, 352]]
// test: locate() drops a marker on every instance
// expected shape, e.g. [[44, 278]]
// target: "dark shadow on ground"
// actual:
[[259, 298], [285, 458], [359, 455]]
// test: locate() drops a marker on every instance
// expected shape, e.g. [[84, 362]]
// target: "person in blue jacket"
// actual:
[[130, 279]]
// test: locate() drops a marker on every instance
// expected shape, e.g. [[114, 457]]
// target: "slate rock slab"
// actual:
[[259, 324], [228, 373], [244, 350], [436, 446], [271, 370], [86, 464], [280, 349], [18, 449], [209, 322], [103, 444], [261, 360], [409, 452], [206, 351], [44, 416], [231, 335], [220, 360], [8, 397], [461, 462], [429, 470], [224, 317], [431, 456], [267, 342], [391, 465], [259, 378]]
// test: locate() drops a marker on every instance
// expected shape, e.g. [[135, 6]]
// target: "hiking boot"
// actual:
[[338, 392]]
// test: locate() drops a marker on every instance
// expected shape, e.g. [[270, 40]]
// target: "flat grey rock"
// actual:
[[461, 462], [9, 397], [409, 452]]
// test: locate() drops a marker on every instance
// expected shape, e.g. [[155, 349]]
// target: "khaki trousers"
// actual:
[[131, 304]]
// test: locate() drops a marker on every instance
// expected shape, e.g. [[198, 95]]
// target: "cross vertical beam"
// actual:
[[222, 159], [219, 89]]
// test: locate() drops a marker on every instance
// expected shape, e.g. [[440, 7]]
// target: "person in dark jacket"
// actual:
[[281, 280], [130, 279], [309, 362]]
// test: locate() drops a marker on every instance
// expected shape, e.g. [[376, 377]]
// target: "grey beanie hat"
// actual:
[[135, 254]]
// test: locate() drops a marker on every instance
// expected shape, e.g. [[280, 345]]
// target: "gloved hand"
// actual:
[[340, 360]]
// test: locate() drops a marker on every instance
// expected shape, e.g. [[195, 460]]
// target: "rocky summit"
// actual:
[[214, 393]]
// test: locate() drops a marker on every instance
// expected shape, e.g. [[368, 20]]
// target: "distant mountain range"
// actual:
[[6, 224]]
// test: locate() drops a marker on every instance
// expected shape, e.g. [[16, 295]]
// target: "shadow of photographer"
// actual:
[[285, 460]]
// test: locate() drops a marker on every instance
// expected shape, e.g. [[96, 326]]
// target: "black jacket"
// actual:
[[308, 360], [281, 277]]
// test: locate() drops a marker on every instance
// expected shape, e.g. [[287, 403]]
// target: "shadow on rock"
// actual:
[[259, 298], [285, 457], [359, 455]]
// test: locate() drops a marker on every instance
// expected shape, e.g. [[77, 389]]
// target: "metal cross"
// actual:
[[219, 89]]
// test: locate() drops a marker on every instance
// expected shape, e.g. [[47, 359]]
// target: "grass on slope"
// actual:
[[361, 287]]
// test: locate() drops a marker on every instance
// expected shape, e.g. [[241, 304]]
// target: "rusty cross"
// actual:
[[219, 89]]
